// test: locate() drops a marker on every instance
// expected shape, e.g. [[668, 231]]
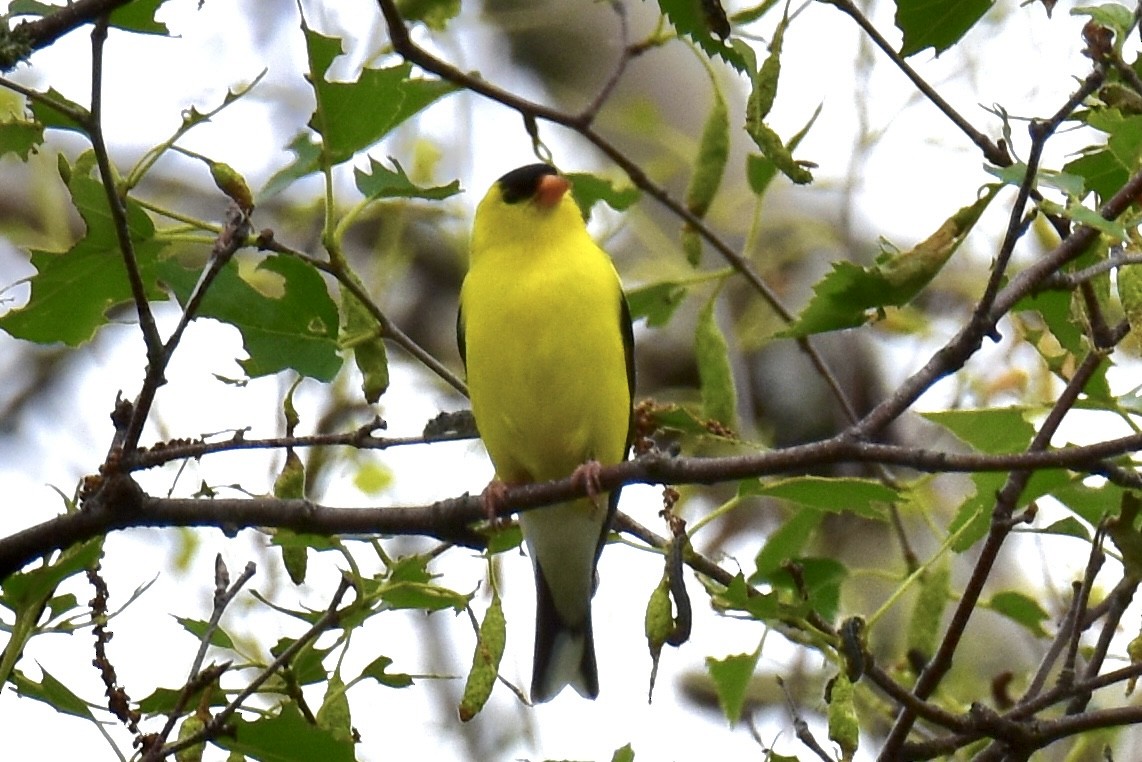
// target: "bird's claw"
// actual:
[[586, 477], [493, 498]]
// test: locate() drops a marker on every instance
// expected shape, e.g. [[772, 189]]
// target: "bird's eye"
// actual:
[[520, 184]]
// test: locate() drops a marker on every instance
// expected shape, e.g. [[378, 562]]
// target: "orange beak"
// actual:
[[550, 191]]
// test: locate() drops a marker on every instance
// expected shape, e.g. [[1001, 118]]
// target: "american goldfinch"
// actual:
[[545, 334]]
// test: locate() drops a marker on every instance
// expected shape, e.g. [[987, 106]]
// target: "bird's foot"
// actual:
[[586, 477], [493, 498]]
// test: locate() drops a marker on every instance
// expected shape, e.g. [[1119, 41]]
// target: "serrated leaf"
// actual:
[[53, 693], [715, 373], [285, 737], [588, 190], [862, 497], [20, 137], [381, 182], [851, 295], [198, 628], [352, 116], [657, 302], [731, 677], [53, 110], [688, 20], [73, 290], [936, 24], [1020, 608], [289, 323]]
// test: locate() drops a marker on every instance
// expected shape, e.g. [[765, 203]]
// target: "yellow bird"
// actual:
[[545, 334]]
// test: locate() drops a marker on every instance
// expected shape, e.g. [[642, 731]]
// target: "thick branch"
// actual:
[[121, 504]]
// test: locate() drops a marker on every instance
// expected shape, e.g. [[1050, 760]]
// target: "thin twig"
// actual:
[[223, 595], [997, 155], [217, 724]]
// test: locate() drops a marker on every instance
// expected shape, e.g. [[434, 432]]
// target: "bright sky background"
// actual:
[[208, 56]]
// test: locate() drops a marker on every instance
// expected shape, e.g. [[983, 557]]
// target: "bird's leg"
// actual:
[[586, 476], [492, 498]]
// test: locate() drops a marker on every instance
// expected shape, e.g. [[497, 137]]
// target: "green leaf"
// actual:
[[784, 543], [688, 20], [1020, 608], [417, 595], [731, 677], [284, 312], [434, 14], [352, 116], [286, 737], [20, 137], [198, 628], [1107, 169], [1054, 306], [73, 290], [380, 182], [377, 670], [361, 334], [739, 596], [973, 519], [1091, 504], [862, 497], [989, 430], [53, 693], [820, 579], [588, 190], [851, 295], [47, 111], [715, 374], [306, 160], [308, 665], [25, 588], [334, 715], [936, 24], [656, 302], [623, 754], [139, 16], [1067, 527]]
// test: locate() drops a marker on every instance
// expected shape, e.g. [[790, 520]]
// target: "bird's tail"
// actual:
[[564, 654]]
